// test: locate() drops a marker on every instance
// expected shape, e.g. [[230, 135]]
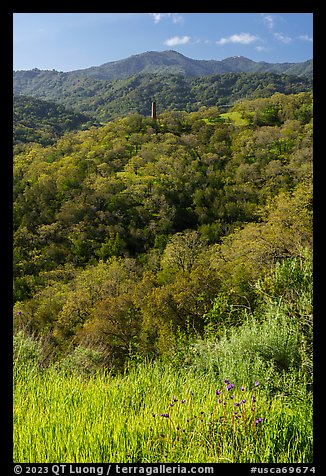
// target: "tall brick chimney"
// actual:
[[154, 111]]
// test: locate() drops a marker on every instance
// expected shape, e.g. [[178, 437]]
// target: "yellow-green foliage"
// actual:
[[235, 117]]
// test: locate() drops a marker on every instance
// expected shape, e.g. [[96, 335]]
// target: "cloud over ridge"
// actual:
[[243, 38], [177, 40]]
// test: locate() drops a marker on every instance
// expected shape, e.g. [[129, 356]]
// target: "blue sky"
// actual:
[[69, 41]]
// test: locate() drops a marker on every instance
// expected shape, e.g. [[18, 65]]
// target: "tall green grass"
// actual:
[[63, 417]]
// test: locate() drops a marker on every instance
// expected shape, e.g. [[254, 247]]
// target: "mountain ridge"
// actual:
[[171, 61]]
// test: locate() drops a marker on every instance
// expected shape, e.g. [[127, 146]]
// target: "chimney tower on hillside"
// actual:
[[154, 110]]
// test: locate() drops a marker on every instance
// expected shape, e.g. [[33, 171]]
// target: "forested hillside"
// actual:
[[163, 270], [131, 237], [43, 122], [107, 99]]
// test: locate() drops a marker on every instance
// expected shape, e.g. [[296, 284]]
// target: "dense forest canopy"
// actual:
[[108, 99], [43, 122], [130, 234]]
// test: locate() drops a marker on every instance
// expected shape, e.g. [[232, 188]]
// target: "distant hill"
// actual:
[[35, 120], [173, 62]]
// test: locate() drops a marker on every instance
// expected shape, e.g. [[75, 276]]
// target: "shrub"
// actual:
[[27, 350], [82, 361], [262, 349]]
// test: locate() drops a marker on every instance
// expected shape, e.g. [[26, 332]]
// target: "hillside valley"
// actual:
[[163, 267], [130, 190]]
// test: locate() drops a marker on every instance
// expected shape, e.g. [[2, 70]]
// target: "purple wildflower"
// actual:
[[253, 399], [258, 421], [165, 415], [229, 386], [19, 313], [242, 388], [219, 400], [226, 381], [217, 392], [243, 400], [256, 383], [183, 401], [174, 399], [232, 396], [236, 404]]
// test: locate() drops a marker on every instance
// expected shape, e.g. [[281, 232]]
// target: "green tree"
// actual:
[[182, 251]]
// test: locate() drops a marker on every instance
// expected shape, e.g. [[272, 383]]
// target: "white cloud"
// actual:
[[305, 38], [283, 38], [177, 40], [157, 17], [269, 21], [175, 17], [243, 38], [262, 48]]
